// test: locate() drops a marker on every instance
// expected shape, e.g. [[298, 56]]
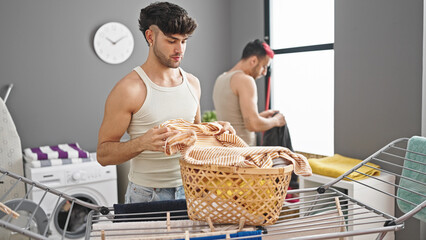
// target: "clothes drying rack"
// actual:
[[316, 213]]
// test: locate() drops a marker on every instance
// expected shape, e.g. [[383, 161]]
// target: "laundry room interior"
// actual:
[[54, 86]]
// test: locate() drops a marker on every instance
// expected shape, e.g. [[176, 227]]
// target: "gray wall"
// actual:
[[378, 73], [424, 78], [247, 24], [378, 77], [60, 85]]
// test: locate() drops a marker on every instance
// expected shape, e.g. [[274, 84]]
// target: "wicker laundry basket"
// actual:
[[229, 194]]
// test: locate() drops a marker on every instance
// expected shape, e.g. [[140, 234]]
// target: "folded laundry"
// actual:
[[205, 144], [61, 151], [151, 211], [337, 165], [57, 162]]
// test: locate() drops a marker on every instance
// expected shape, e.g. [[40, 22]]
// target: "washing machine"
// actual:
[[87, 181]]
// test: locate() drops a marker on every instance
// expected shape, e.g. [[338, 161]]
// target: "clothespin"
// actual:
[[102, 234], [228, 236], [339, 211], [8, 211], [186, 235], [168, 221], [242, 222], [339, 208], [209, 221]]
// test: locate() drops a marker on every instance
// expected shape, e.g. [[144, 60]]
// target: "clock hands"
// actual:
[[115, 42], [112, 42], [120, 39]]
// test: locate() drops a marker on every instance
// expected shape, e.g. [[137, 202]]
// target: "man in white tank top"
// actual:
[[151, 94], [235, 94]]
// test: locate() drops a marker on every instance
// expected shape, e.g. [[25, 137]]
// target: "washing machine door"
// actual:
[[77, 219], [31, 217]]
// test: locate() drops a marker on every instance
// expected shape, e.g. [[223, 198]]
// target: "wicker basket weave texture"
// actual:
[[229, 194]]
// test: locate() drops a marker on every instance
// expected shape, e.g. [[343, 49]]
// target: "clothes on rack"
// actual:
[[225, 149], [415, 177], [337, 165], [146, 209], [176, 229]]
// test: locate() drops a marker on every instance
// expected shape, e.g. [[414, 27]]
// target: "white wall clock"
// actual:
[[113, 43]]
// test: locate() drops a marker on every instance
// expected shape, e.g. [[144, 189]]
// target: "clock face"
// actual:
[[113, 43]]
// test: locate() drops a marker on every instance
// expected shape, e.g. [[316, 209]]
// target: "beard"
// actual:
[[163, 59], [255, 72]]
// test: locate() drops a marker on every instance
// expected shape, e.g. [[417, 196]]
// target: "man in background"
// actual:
[[235, 94], [157, 91]]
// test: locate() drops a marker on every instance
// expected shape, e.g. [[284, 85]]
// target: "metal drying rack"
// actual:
[[314, 213], [36, 223]]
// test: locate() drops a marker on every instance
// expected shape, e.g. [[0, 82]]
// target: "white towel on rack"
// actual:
[[10, 153], [61, 151]]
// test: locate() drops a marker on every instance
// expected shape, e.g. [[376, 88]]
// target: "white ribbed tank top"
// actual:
[[155, 169]]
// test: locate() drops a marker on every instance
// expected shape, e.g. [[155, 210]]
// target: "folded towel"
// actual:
[[205, 144], [416, 151], [61, 151], [337, 165], [57, 162]]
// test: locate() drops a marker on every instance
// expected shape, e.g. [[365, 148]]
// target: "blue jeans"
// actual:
[[136, 193]]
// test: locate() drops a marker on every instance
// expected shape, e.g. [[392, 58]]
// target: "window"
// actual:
[[301, 32]]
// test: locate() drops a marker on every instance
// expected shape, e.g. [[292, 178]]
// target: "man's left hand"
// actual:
[[226, 127], [268, 113]]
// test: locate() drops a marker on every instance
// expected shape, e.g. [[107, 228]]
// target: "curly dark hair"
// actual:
[[169, 17], [256, 48]]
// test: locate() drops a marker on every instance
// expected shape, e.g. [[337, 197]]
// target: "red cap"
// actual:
[[268, 50]]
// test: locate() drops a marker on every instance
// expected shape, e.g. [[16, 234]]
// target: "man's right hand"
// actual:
[[280, 119], [155, 138]]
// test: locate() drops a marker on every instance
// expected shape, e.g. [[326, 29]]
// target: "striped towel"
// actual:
[[61, 151], [57, 162], [204, 144]]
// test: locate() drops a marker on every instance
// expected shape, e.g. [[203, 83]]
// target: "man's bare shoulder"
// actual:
[[131, 85], [129, 92], [192, 79], [241, 79], [194, 82]]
